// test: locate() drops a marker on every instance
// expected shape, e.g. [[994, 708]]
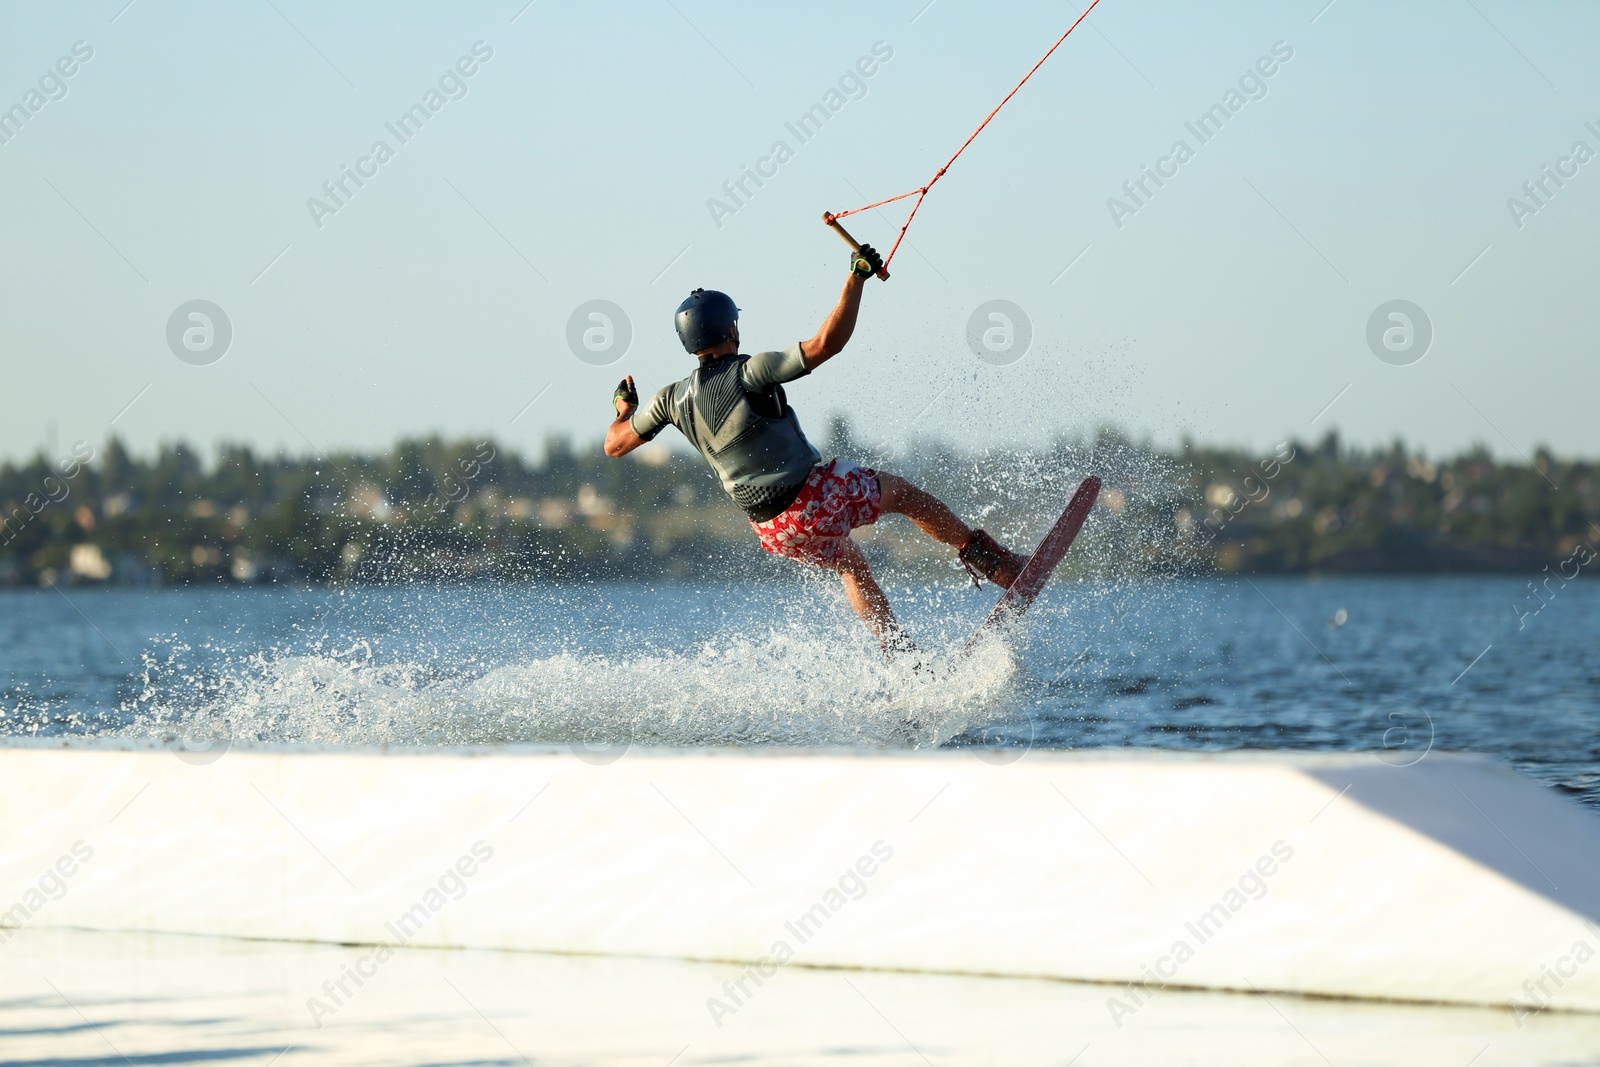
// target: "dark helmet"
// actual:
[[705, 319]]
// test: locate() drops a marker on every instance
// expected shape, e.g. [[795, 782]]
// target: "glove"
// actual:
[[865, 262], [625, 396]]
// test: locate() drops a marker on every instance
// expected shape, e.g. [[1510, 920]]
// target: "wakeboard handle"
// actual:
[[855, 246]]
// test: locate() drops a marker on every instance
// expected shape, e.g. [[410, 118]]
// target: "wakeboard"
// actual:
[[1041, 565]]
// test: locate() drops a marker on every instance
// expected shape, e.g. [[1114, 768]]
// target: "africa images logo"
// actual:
[[599, 332], [1399, 333], [337, 192], [199, 332], [999, 332]]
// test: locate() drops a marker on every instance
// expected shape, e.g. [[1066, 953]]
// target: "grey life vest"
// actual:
[[734, 411]]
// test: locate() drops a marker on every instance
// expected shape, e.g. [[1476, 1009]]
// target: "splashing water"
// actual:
[[775, 659], [810, 678]]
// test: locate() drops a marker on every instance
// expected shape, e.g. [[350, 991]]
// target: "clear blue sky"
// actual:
[[1231, 306]]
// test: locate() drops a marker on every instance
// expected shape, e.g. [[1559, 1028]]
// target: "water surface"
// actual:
[[1401, 665]]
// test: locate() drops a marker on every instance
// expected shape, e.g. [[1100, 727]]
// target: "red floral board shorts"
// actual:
[[836, 498]]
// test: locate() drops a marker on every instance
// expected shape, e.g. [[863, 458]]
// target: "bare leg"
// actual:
[[936, 520], [864, 594]]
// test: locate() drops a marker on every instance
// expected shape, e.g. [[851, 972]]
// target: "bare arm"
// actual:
[[620, 438], [837, 327]]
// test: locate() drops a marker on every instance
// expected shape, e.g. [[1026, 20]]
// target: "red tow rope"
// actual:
[[831, 218]]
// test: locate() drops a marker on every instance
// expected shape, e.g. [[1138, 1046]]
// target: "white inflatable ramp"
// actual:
[[1451, 881]]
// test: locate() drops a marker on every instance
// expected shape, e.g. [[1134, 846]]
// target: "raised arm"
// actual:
[[620, 436], [841, 321]]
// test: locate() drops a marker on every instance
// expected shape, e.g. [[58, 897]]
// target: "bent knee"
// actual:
[[891, 490], [851, 562]]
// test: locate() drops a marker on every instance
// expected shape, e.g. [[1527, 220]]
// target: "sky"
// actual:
[[578, 152]]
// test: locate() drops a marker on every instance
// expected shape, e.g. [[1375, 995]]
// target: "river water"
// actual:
[[1399, 665]]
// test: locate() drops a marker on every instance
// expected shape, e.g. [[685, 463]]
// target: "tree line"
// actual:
[[435, 509]]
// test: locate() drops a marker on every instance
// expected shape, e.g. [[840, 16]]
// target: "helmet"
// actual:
[[705, 319]]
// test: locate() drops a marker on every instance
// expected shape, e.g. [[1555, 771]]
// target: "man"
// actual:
[[733, 409]]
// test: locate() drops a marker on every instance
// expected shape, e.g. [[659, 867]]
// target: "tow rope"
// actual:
[[832, 218]]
